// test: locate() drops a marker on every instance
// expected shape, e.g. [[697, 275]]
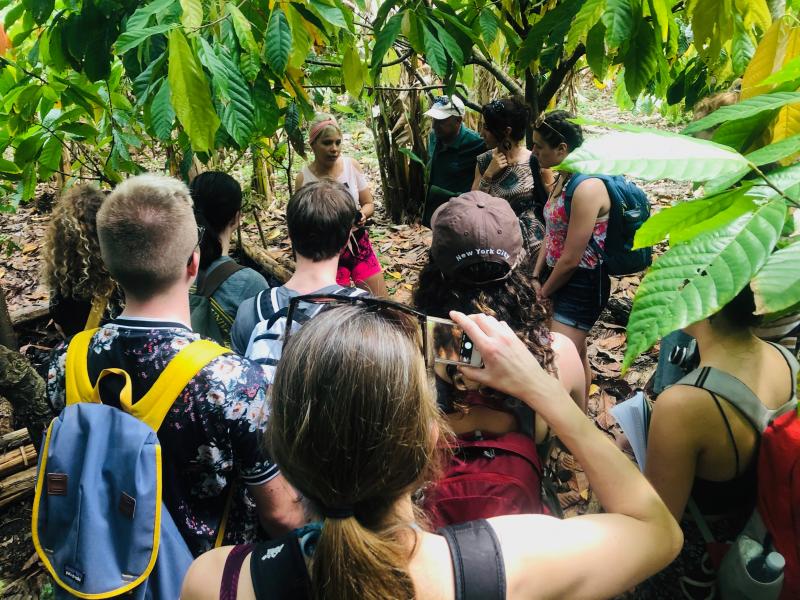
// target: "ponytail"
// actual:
[[353, 562]]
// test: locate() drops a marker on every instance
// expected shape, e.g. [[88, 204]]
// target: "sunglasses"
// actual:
[[200, 232], [542, 121], [442, 100]]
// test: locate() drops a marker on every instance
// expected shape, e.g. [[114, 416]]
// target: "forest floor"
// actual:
[[402, 250]]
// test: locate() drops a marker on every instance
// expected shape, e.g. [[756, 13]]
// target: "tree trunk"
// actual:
[[23, 387], [17, 486], [7, 336]]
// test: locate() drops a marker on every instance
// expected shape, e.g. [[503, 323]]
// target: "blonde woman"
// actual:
[[357, 262], [80, 287]]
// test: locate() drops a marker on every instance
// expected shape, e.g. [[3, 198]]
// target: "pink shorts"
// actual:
[[359, 265]]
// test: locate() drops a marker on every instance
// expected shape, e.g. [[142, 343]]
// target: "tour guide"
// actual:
[[452, 154]]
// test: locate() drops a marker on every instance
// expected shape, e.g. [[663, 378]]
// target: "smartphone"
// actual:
[[450, 345]]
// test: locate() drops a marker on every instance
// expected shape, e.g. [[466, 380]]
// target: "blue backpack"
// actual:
[[630, 208], [99, 524]]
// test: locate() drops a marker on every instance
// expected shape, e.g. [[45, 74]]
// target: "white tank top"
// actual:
[[352, 179]]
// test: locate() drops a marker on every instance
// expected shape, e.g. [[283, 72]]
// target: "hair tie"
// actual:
[[318, 128], [337, 512]]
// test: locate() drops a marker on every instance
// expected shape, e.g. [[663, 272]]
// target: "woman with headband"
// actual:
[[355, 428], [357, 262], [506, 170]]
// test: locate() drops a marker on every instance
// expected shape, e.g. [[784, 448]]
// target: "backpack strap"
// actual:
[[473, 545], [229, 587], [791, 361], [219, 275], [99, 305], [572, 185], [278, 570], [76, 370]]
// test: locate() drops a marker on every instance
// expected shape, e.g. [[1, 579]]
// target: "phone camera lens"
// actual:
[[468, 345]]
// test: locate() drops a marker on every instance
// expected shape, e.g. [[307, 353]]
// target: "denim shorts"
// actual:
[[580, 301]]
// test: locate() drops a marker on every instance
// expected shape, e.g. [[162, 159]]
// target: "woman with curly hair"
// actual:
[[477, 264], [81, 290], [506, 170]]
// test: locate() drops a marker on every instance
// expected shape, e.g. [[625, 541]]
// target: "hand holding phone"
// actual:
[[450, 345]]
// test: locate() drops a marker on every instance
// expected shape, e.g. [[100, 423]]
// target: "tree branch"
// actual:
[[508, 82], [557, 76], [327, 63]]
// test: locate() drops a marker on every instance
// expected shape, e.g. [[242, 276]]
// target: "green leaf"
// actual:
[[692, 281], [450, 44], [191, 98], [243, 29], [554, 20], [162, 115], [775, 152], [141, 17], [744, 109], [777, 286], [661, 11], [618, 19], [384, 40], [587, 17], [8, 169], [488, 25], [641, 62], [238, 114], [668, 156], [132, 39], [28, 149], [278, 42], [383, 12], [329, 14], [434, 53], [788, 72], [291, 124], [40, 10], [192, 15], [50, 157], [412, 156], [743, 133], [79, 130], [742, 47], [741, 205], [353, 72], [686, 213], [596, 54]]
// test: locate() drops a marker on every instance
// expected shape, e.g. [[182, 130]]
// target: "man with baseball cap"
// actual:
[[452, 154]]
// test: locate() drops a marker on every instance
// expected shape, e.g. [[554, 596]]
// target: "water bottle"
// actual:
[[766, 568]]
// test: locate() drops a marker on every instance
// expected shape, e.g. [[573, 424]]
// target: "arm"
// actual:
[[673, 444], [476, 181], [278, 505], [204, 577], [570, 368], [591, 556], [364, 194], [538, 269], [298, 181], [587, 202]]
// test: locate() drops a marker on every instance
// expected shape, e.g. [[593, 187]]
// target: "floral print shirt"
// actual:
[[211, 439], [557, 222]]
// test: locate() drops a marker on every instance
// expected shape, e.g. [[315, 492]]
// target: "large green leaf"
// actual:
[[384, 40], [684, 214], [488, 24], [554, 20], [9, 170], [744, 109], [596, 54], [329, 14], [777, 285], [668, 156], [618, 19], [133, 38], [450, 44], [768, 154], [743, 133], [587, 16], [238, 114], [141, 17], [190, 93], [244, 30], [162, 115], [192, 15], [434, 53], [692, 281], [353, 72], [40, 10], [641, 61], [50, 157], [790, 71], [742, 46], [278, 42]]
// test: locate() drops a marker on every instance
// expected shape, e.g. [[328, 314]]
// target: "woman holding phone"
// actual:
[[357, 262], [358, 370]]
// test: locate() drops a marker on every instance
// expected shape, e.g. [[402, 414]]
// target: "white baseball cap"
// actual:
[[445, 107]]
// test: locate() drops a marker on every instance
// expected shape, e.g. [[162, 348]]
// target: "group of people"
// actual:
[[326, 444]]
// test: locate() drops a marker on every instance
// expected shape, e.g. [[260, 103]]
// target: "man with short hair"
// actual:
[[319, 218], [453, 151], [211, 439]]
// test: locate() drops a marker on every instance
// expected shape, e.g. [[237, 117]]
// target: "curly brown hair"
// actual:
[[73, 266], [512, 300]]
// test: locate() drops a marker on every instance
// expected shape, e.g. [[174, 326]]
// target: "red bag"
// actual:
[[488, 478], [779, 494]]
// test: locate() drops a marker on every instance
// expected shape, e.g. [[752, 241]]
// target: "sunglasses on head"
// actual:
[[542, 122], [200, 233]]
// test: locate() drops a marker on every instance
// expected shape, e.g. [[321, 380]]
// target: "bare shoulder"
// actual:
[[355, 164], [682, 404], [591, 191], [202, 581]]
